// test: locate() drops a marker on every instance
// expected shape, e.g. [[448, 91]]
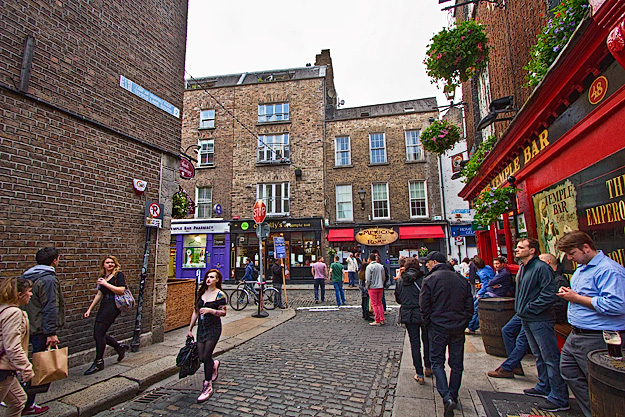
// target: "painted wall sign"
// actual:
[[597, 90], [376, 236], [146, 95]]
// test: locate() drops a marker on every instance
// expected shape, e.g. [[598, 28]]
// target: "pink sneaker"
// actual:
[[207, 391], [215, 371]]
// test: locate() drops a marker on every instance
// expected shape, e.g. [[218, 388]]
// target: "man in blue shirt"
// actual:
[[596, 303]]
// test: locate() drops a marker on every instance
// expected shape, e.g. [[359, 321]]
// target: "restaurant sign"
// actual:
[[376, 236]]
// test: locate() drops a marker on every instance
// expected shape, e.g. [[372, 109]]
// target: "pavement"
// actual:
[[80, 395]]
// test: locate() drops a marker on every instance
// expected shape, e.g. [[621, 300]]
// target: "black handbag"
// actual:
[[188, 359]]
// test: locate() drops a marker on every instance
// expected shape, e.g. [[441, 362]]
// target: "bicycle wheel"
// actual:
[[239, 299], [270, 298]]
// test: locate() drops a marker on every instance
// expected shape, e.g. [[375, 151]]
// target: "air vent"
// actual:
[[364, 114]]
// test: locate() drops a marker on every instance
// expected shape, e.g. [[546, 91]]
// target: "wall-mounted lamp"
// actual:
[[450, 92], [298, 173], [497, 106], [361, 195], [431, 119]]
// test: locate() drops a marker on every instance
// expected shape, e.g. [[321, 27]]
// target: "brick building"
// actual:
[[75, 131]]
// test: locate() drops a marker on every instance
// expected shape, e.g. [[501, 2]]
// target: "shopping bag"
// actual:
[[49, 366], [188, 359], [125, 301]]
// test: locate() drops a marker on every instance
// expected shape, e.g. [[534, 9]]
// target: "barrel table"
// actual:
[[494, 313], [606, 385]]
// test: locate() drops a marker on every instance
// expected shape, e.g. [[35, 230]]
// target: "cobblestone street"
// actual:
[[317, 364]]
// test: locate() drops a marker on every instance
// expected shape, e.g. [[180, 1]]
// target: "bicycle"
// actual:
[[246, 290]]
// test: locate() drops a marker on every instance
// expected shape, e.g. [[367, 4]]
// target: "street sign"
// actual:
[[280, 248], [153, 214], [459, 240], [217, 209], [262, 231], [187, 170], [259, 211]]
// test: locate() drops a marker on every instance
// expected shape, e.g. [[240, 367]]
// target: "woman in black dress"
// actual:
[[210, 307], [110, 282]]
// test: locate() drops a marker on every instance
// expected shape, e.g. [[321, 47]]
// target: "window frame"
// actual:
[[202, 152], [371, 149], [419, 146], [388, 204], [271, 209], [351, 202], [203, 202], [207, 119], [425, 198], [265, 148], [284, 116], [347, 151]]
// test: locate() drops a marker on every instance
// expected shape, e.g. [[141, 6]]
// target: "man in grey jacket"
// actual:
[[374, 281]]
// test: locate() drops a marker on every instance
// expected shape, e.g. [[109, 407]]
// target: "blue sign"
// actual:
[[278, 245], [141, 92], [462, 231], [218, 209]]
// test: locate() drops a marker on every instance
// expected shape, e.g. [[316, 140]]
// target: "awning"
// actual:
[[340, 235], [421, 232]]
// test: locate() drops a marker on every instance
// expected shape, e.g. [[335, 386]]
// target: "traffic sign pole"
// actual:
[[259, 211]]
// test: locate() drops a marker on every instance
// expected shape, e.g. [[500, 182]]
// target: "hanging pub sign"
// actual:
[[376, 236]]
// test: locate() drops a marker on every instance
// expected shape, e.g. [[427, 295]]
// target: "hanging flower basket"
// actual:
[[182, 205], [472, 167], [423, 251], [440, 136], [456, 54], [492, 203]]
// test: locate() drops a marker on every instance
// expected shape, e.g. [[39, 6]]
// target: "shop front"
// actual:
[[302, 241]]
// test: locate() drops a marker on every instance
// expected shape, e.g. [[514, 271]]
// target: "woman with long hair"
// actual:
[[210, 307], [14, 293], [111, 282]]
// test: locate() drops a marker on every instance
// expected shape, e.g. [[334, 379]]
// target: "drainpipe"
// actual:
[[447, 229]]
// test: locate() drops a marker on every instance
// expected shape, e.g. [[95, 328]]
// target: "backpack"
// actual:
[[254, 273]]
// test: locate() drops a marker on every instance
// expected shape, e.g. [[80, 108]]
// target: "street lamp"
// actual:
[[361, 195]]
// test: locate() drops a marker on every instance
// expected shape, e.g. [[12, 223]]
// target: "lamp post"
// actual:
[[361, 195], [512, 182]]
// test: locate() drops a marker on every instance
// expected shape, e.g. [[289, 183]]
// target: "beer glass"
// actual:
[[613, 340]]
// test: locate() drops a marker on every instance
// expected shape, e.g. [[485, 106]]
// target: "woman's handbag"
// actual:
[[125, 301], [188, 359], [49, 366]]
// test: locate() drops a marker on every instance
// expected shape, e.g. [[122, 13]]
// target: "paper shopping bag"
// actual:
[[49, 366]]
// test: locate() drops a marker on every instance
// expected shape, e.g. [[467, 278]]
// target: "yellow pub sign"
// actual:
[[376, 236]]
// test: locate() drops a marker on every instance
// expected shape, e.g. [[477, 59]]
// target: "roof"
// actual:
[[400, 107], [257, 77]]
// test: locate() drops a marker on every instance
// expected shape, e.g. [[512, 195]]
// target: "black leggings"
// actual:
[[102, 339], [205, 351]]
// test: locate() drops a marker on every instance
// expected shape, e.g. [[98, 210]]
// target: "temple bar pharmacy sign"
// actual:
[[141, 92], [195, 228]]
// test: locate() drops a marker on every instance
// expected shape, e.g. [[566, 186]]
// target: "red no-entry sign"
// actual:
[[259, 211]]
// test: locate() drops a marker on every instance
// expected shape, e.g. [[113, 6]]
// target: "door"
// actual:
[[220, 255]]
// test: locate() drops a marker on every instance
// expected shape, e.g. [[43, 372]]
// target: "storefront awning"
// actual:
[[421, 232], [340, 235]]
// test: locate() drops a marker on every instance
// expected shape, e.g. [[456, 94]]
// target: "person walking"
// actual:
[[210, 307], [486, 274], [364, 293], [111, 282], [407, 292], [352, 270], [596, 303], [374, 279], [446, 306], [320, 274], [14, 293], [249, 274], [337, 280], [534, 301], [276, 277], [46, 312]]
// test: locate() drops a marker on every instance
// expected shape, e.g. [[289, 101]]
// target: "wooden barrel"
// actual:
[[494, 314], [606, 385]]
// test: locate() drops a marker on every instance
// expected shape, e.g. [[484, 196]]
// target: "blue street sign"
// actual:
[[278, 245]]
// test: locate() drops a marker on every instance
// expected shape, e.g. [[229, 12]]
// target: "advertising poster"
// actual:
[[194, 258]]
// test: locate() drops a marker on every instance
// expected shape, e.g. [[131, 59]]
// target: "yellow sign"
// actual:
[[598, 90], [376, 236]]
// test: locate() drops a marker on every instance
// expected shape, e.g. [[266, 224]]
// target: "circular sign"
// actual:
[[245, 226], [187, 170], [259, 211], [598, 90], [154, 210], [218, 209]]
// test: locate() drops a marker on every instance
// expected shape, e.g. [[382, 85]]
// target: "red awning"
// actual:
[[421, 232], [340, 235]]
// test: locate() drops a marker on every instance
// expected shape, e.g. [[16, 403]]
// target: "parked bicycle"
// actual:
[[250, 290]]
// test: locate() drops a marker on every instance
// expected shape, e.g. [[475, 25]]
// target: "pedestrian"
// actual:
[[501, 284], [46, 312], [352, 270], [374, 278], [387, 280], [446, 306], [14, 293], [485, 274], [464, 267], [358, 260], [320, 274], [210, 307], [249, 271], [364, 293], [562, 305], [517, 346], [473, 277], [407, 292], [276, 277], [111, 282], [534, 300], [337, 280], [453, 262], [596, 303]]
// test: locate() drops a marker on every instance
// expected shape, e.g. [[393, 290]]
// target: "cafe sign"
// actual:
[[376, 236]]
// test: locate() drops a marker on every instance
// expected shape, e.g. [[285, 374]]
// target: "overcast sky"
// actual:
[[377, 47]]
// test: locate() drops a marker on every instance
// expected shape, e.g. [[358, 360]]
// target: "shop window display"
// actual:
[[194, 249]]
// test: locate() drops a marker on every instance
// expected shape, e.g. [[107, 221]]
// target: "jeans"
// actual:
[[439, 342], [320, 283], [417, 334], [516, 343], [542, 340], [574, 365], [39, 342], [339, 293], [351, 275], [376, 302], [383, 299], [474, 324]]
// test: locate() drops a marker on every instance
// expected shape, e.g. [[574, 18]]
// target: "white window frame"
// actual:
[[418, 146], [271, 201], [202, 203], [207, 148], [373, 201], [340, 152], [410, 199], [341, 199], [207, 119], [371, 148], [274, 112], [270, 145]]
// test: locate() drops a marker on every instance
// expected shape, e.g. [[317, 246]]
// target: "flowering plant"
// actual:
[[423, 251], [492, 203], [456, 54], [440, 136], [472, 167], [181, 205], [553, 37]]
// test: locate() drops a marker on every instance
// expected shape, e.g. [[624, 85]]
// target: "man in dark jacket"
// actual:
[[446, 306], [46, 311], [276, 277], [533, 302]]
